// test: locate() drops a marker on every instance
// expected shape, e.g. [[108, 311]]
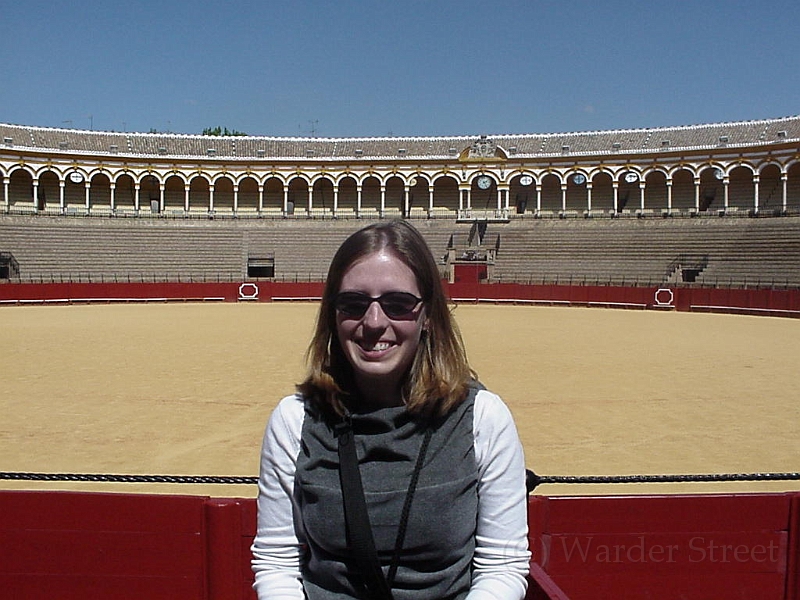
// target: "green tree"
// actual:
[[221, 131]]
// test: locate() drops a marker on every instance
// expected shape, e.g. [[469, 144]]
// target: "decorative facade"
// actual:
[[747, 168]]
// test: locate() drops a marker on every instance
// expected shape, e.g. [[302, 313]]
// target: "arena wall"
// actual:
[[72, 546], [768, 302]]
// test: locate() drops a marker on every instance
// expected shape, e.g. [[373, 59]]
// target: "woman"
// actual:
[[439, 456]]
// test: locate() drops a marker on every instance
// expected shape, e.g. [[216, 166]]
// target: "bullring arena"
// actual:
[[632, 295]]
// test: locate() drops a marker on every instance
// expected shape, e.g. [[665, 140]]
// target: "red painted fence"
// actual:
[[72, 292], [76, 545], [692, 547], [747, 301], [73, 546]]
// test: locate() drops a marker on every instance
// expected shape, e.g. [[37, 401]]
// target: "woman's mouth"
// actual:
[[374, 347]]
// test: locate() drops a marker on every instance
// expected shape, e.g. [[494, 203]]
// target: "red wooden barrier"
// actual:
[[156, 291], [228, 541], [690, 547], [785, 303], [793, 566], [76, 546], [72, 546], [542, 587]]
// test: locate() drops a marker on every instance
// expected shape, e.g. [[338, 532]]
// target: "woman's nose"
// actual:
[[375, 317]]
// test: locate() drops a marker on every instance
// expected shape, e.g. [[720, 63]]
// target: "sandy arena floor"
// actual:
[[185, 389]]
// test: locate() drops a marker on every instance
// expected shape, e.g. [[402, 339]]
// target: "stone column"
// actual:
[[669, 195], [35, 195], [725, 183], [756, 198], [589, 196], [641, 194]]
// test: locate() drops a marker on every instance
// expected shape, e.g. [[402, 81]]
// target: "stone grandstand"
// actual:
[[626, 207], [719, 252]]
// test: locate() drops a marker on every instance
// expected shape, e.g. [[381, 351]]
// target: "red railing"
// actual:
[[74, 545], [692, 547], [747, 301]]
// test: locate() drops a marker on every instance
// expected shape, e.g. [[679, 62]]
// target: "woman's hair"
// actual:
[[439, 375]]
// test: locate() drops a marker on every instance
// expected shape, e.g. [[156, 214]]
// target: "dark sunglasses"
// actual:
[[395, 305]]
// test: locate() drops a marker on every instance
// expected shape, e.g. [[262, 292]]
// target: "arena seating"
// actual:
[[643, 251], [55, 248], [734, 252], [64, 248]]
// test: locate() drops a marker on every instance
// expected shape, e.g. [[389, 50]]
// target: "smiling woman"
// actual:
[[390, 426], [380, 343]]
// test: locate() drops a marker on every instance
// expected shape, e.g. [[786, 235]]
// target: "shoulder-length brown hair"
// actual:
[[439, 375]]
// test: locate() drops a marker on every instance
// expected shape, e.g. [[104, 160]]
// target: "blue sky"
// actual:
[[404, 67]]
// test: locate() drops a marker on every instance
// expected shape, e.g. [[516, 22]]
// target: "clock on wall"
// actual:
[[526, 180], [76, 177], [484, 182]]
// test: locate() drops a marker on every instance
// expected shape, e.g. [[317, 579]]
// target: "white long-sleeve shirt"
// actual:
[[499, 563]]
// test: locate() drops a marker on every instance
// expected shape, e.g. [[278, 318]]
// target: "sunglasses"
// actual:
[[395, 305]]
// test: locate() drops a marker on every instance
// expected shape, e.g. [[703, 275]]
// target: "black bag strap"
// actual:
[[412, 487], [359, 530]]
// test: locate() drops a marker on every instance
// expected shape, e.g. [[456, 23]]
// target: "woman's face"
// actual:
[[380, 348]]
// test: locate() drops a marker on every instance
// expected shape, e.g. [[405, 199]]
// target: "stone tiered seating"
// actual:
[[67, 248], [303, 249], [739, 251], [733, 252], [762, 252], [62, 248]]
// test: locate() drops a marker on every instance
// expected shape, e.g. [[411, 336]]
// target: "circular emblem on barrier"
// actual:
[[664, 297], [248, 291]]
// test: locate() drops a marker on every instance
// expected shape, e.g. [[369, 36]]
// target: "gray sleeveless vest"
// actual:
[[440, 541]]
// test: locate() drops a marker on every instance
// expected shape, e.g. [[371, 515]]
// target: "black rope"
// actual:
[[96, 477], [532, 481]]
